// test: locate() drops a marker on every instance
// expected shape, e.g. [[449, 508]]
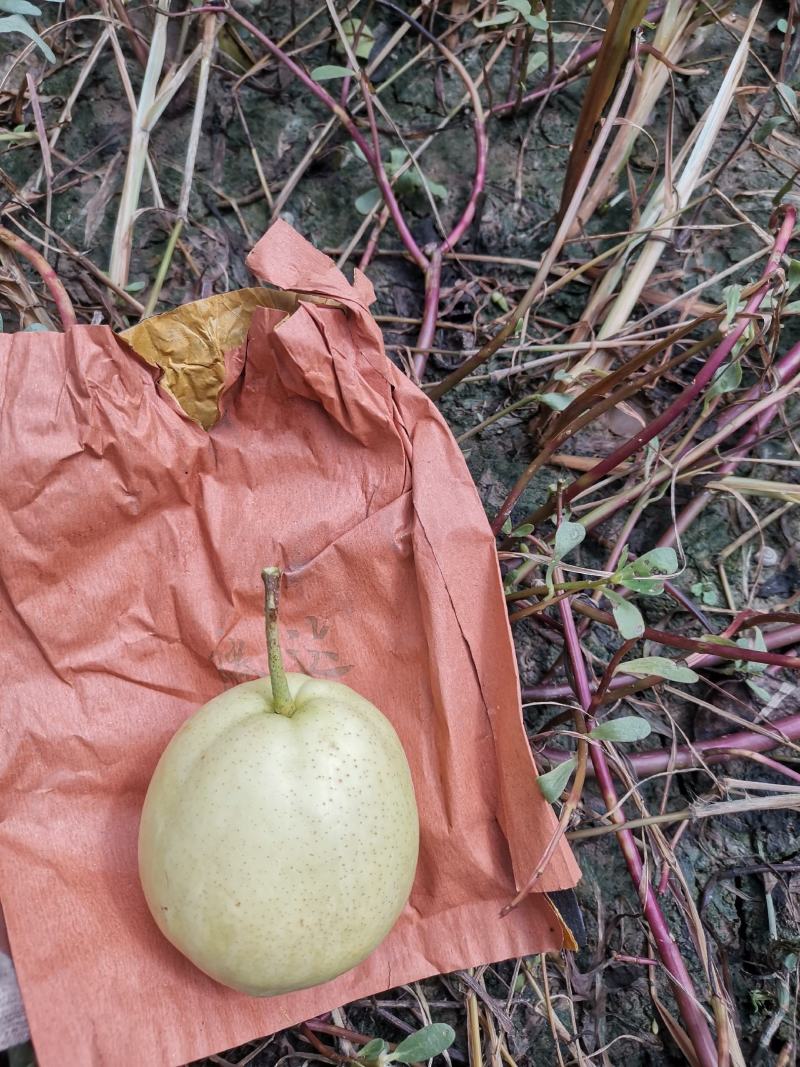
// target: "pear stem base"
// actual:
[[282, 702]]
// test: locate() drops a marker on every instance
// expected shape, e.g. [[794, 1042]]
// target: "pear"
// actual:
[[279, 835]]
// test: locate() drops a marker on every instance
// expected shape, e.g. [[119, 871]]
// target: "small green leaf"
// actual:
[[412, 180], [655, 561], [784, 189], [17, 24], [744, 341], [553, 784], [733, 297], [636, 575], [373, 1049], [787, 95], [368, 201], [626, 615], [507, 527], [645, 586], [424, 1044], [661, 666], [727, 378], [568, 536], [500, 19], [758, 644], [625, 728], [766, 129], [537, 22], [397, 157], [436, 189], [329, 71], [782, 25], [759, 690], [498, 298], [556, 401], [706, 591], [522, 6], [523, 530], [793, 275], [651, 450], [359, 36], [135, 287], [19, 7], [538, 59], [512, 579]]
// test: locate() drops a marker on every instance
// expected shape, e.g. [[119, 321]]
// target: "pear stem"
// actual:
[[282, 701]]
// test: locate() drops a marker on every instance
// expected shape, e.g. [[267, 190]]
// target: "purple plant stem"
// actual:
[[712, 750], [566, 75], [433, 288], [758, 757], [679, 405], [559, 80], [683, 989], [516, 62], [433, 270], [783, 370], [478, 182], [372, 242], [478, 126], [372, 155], [703, 378], [325, 98], [433, 273], [787, 635], [693, 645], [60, 296]]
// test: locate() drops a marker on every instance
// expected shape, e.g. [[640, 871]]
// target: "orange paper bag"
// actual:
[[133, 535]]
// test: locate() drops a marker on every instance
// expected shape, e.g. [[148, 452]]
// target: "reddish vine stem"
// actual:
[[691, 392], [135, 41], [783, 370], [60, 296], [573, 74], [374, 237], [433, 285], [566, 75], [683, 989], [433, 270], [709, 750], [590, 404], [625, 684], [431, 267], [686, 644], [581, 717], [341, 114]]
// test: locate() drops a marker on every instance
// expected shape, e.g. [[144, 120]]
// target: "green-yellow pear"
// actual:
[[279, 835]]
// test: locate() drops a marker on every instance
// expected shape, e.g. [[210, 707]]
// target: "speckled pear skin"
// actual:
[[277, 852]]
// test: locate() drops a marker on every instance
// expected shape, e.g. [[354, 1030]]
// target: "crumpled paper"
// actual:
[[132, 543]]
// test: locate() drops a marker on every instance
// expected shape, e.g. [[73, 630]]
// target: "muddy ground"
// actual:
[[753, 918]]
